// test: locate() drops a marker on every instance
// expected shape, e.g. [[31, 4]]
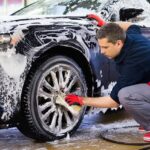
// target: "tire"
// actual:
[[41, 118]]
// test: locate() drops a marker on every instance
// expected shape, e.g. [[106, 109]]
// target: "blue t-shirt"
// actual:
[[133, 63]]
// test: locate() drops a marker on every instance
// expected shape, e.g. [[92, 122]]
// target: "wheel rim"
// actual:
[[61, 79]]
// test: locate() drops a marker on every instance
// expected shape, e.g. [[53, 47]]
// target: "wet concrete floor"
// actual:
[[87, 136]]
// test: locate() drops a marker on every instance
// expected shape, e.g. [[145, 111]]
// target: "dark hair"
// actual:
[[112, 32]]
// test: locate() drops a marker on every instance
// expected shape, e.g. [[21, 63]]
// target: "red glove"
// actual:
[[100, 21], [72, 99]]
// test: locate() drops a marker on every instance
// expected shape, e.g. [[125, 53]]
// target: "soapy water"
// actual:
[[86, 137]]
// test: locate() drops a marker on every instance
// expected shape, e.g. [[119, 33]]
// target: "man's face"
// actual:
[[108, 49]]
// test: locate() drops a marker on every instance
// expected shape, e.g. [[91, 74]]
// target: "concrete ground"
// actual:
[[87, 136]]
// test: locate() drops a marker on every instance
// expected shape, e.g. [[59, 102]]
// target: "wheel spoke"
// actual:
[[59, 119], [48, 86], [71, 84], [46, 105], [54, 119], [55, 80], [47, 114], [45, 94], [67, 77], [61, 79], [68, 120]]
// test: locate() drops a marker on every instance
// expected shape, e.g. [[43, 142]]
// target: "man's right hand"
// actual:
[[72, 99]]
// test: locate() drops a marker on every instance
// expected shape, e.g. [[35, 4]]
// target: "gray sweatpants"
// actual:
[[136, 101]]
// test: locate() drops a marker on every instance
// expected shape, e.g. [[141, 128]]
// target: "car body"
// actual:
[[43, 58]]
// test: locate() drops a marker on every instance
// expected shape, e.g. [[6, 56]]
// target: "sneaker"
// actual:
[[146, 137], [141, 129]]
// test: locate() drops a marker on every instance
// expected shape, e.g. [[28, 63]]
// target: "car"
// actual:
[[52, 52]]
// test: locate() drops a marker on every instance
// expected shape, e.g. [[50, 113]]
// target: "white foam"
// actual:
[[13, 65]]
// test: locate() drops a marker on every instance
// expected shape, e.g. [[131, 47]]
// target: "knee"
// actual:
[[123, 94]]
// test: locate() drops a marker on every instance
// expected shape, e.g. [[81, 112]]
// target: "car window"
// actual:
[[33, 9], [61, 7]]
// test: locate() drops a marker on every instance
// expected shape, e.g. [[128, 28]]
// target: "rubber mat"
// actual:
[[129, 135]]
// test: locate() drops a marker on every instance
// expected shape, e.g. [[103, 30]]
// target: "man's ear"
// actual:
[[119, 43]]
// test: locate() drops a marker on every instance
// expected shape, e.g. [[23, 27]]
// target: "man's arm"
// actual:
[[124, 25], [101, 102], [101, 22]]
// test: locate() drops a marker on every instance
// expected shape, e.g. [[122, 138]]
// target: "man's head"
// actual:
[[111, 39]]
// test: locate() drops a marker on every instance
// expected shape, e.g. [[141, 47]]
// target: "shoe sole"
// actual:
[[146, 139], [142, 131]]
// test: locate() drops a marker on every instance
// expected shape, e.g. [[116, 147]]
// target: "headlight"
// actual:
[[5, 38]]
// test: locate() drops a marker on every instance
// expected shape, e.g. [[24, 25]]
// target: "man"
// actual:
[[124, 43]]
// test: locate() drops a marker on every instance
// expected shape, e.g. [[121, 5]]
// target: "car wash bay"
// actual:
[[87, 136]]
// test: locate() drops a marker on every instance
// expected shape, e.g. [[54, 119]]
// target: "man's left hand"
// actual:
[[100, 21]]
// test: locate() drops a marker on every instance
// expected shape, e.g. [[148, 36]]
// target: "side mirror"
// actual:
[[128, 13]]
